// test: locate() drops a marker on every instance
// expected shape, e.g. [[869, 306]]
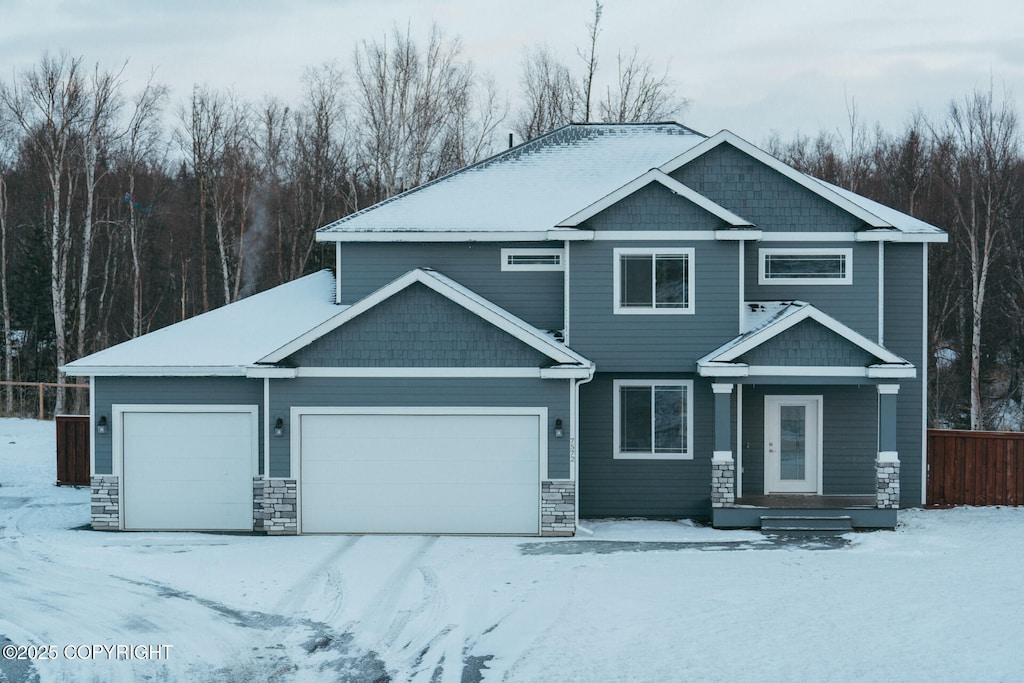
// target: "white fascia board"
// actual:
[[796, 176], [808, 371], [713, 369], [567, 372], [739, 234], [655, 175], [896, 235], [654, 235], [260, 371], [420, 372], [155, 371], [455, 236], [894, 371]]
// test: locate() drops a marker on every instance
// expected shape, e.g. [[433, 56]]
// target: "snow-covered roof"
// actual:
[[531, 188], [223, 341], [897, 219]]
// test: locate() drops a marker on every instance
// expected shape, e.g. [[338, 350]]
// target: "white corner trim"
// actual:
[[888, 388], [888, 456], [721, 388]]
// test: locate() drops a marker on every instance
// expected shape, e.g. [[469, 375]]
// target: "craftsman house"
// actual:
[[608, 320]]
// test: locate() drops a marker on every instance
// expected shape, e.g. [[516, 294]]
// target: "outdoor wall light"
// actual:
[[279, 427], [558, 428], [101, 425]]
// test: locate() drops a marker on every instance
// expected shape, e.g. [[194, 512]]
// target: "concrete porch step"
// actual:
[[806, 525]]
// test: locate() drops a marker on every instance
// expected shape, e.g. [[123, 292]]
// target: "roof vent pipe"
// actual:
[[510, 140]]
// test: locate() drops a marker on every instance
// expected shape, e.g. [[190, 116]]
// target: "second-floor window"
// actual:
[[653, 281], [805, 267]]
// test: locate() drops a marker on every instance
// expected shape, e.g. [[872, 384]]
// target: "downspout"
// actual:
[[574, 439]]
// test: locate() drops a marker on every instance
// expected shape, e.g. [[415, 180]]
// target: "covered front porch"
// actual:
[[805, 427]]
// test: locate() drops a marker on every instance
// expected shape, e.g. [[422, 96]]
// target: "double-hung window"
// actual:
[[782, 266], [653, 419], [653, 281]]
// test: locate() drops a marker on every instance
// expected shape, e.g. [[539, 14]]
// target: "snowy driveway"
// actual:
[[939, 599]]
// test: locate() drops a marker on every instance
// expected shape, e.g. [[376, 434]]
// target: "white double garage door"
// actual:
[[360, 470]]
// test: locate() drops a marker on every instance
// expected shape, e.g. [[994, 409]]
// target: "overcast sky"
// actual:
[[750, 66]]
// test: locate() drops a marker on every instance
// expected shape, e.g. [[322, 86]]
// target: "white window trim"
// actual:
[[616, 416], [654, 252], [506, 253], [762, 278]]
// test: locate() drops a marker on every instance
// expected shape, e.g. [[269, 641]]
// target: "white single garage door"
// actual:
[[188, 469], [420, 473]]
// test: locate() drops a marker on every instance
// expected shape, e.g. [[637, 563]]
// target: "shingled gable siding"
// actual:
[[418, 327], [808, 343], [849, 436], [534, 296], [654, 207], [760, 194], [904, 335], [652, 343], [642, 488], [855, 305], [170, 391], [406, 392]]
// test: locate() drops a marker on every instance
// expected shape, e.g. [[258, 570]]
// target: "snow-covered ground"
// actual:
[[939, 599]]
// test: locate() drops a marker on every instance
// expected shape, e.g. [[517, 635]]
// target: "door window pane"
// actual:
[[792, 442]]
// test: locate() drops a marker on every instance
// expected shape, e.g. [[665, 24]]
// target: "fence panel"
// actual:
[[72, 450], [975, 468]]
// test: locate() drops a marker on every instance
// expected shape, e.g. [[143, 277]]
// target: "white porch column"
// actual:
[[887, 465]]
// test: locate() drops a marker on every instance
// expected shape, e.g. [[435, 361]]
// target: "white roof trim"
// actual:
[[796, 176], [562, 234], [811, 371], [456, 293], [797, 312], [154, 371], [655, 175]]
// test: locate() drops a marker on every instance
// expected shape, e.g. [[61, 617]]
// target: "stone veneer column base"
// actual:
[[274, 510], [887, 484], [106, 503], [558, 508], [723, 483]]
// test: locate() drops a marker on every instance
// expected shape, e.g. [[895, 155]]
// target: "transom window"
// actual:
[[805, 267], [532, 259], [653, 419], [653, 281]]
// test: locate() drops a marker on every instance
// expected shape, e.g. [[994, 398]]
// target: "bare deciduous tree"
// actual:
[[640, 94]]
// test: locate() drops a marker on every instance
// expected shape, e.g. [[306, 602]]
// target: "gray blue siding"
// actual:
[[761, 194], [808, 343], [644, 343], [534, 296], [170, 391], [642, 488], [418, 327], [904, 334], [383, 392], [654, 207], [849, 436], [854, 305]]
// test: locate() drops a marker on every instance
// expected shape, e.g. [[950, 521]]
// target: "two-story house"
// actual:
[[609, 320]]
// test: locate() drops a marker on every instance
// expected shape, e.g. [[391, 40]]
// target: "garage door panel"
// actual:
[[188, 469], [402, 473]]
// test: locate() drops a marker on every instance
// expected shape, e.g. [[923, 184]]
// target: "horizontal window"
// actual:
[[532, 259], [805, 267], [653, 281], [653, 419]]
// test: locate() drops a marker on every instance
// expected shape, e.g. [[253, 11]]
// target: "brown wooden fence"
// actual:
[[975, 468], [72, 450]]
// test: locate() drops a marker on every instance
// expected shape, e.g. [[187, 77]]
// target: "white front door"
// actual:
[[792, 444]]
